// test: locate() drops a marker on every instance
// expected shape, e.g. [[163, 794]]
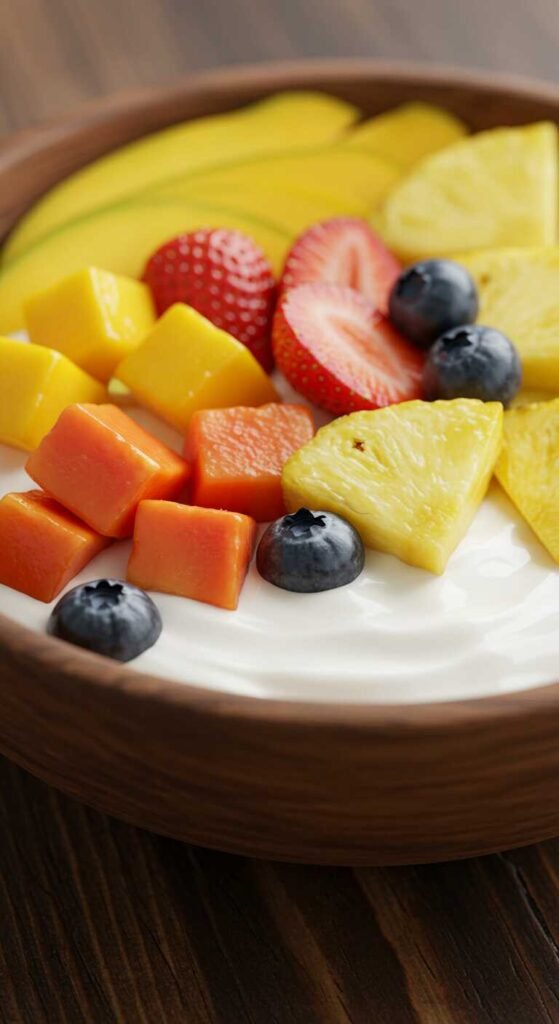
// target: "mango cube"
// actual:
[[42, 546], [100, 464], [93, 317], [36, 385], [186, 364]]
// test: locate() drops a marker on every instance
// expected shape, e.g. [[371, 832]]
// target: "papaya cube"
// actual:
[[186, 363], [94, 317], [42, 546], [237, 456], [100, 464], [36, 384], [201, 553]]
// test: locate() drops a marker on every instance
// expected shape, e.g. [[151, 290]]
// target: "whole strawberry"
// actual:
[[226, 277]]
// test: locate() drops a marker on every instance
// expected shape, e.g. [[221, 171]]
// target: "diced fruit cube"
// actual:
[[36, 384], [519, 295], [527, 468], [200, 553], [409, 477], [94, 317], [492, 189], [100, 464], [237, 456], [186, 363], [42, 546], [407, 134]]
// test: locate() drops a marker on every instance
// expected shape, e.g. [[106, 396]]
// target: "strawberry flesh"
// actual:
[[345, 251], [340, 353]]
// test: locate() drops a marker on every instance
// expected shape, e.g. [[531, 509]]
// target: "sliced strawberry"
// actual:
[[338, 351], [345, 251], [226, 277]]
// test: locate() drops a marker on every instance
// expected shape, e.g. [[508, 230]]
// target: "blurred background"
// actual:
[[55, 54]]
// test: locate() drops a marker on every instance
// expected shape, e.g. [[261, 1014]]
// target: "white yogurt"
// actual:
[[397, 634]]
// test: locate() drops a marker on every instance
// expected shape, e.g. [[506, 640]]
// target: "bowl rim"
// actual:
[[22, 646]]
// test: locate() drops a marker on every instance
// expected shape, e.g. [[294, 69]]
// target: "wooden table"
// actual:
[[102, 923]]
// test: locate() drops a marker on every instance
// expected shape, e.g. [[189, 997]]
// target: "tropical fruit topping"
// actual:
[[100, 464], [201, 553], [409, 477]]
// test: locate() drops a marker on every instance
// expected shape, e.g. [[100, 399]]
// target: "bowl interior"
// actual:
[[399, 636]]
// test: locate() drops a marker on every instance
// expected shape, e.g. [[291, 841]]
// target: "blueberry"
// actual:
[[472, 362], [107, 616], [430, 298], [310, 551]]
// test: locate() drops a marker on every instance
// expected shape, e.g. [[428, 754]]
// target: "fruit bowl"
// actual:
[[315, 768]]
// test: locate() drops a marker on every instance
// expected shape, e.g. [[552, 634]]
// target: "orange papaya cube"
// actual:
[[237, 456], [201, 553], [100, 464], [42, 546]]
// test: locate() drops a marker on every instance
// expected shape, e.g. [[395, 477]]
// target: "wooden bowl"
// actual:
[[307, 782]]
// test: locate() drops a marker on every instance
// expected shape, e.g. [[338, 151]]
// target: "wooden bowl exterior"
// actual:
[[317, 783]]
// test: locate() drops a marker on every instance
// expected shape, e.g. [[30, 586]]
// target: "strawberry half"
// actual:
[[338, 351], [226, 277], [345, 251]]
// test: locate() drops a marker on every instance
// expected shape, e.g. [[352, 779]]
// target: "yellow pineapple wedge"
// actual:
[[497, 188], [407, 134], [531, 396], [527, 468], [409, 477], [519, 294]]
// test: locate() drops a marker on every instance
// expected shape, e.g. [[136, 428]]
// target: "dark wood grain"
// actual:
[[104, 924]]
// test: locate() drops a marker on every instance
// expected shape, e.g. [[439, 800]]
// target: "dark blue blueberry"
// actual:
[[310, 551], [109, 617], [472, 362], [430, 298]]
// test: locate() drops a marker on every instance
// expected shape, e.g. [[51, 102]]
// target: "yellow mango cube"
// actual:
[[93, 317], [36, 385], [186, 364]]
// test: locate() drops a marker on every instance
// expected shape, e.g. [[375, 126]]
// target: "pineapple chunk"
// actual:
[[407, 134], [531, 396], [519, 294], [409, 477], [493, 189], [527, 468]]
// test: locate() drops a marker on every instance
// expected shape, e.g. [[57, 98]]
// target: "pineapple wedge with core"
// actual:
[[519, 295], [497, 188], [527, 468], [407, 134], [409, 477]]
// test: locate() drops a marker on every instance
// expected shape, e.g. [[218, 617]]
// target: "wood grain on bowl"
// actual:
[[321, 783]]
